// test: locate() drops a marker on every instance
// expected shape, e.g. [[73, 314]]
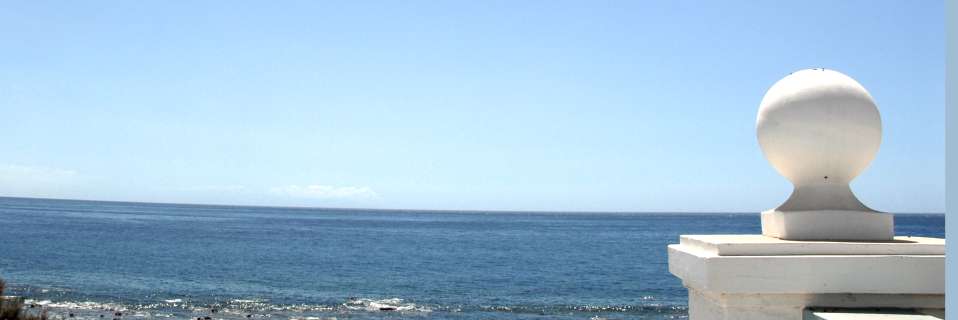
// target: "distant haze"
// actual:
[[531, 105]]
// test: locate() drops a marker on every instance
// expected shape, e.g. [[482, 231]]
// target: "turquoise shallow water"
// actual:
[[183, 261]]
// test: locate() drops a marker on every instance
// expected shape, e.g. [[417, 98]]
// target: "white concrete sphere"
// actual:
[[818, 126]]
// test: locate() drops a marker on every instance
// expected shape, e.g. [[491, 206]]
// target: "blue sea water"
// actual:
[[94, 259]]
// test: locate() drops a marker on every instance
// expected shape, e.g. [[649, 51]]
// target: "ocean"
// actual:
[[106, 260]]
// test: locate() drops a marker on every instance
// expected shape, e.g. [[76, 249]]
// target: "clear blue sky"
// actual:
[[516, 105]]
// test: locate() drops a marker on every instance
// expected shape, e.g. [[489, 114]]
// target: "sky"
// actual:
[[459, 105]]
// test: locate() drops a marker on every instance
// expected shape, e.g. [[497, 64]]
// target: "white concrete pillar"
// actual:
[[822, 247]]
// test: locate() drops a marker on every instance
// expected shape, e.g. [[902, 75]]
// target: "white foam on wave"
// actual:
[[231, 309], [79, 305], [390, 304], [245, 300]]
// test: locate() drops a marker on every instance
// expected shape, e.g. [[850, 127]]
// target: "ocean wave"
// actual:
[[391, 304], [75, 305], [564, 309], [353, 307]]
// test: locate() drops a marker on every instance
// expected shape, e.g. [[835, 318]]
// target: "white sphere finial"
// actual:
[[820, 129]]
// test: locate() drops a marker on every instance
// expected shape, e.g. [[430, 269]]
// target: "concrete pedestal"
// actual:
[[754, 277], [829, 225]]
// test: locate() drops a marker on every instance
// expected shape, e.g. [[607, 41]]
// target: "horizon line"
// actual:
[[304, 207]]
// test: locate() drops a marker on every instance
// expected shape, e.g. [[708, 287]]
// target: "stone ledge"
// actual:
[[759, 245], [808, 274]]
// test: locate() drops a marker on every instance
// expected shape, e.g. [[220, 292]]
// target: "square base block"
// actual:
[[754, 277], [718, 306], [873, 314], [829, 225]]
